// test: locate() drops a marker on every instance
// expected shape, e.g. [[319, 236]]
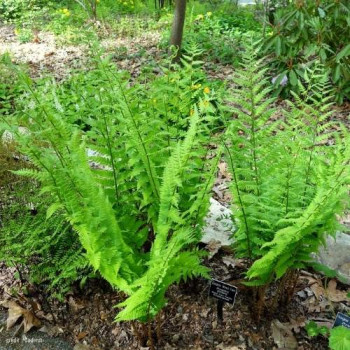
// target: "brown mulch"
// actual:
[[189, 321]]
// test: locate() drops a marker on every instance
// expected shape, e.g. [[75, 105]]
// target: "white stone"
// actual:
[[8, 137], [219, 226]]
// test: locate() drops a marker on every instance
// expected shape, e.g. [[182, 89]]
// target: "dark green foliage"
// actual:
[[307, 30], [9, 87], [13, 9], [238, 18], [221, 35], [46, 251]]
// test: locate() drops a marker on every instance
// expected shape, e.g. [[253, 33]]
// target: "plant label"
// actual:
[[342, 320], [223, 291]]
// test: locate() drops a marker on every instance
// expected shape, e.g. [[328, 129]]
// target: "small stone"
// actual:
[[176, 337], [302, 294]]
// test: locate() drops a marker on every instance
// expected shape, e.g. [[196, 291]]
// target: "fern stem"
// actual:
[[253, 117], [214, 170], [289, 177], [108, 140], [240, 201]]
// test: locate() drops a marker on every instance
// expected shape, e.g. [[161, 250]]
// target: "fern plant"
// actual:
[[133, 184], [290, 175], [45, 252]]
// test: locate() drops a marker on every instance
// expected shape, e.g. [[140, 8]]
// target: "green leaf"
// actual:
[[321, 12], [293, 78], [336, 73], [278, 46], [343, 53], [52, 209], [340, 338], [312, 329]]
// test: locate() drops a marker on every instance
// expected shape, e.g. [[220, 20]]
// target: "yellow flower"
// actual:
[[17, 31], [65, 12], [199, 17], [205, 103], [206, 90], [191, 112], [209, 14], [196, 86]]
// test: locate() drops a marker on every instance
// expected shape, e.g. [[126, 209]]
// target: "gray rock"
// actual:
[[336, 255], [219, 225], [33, 340]]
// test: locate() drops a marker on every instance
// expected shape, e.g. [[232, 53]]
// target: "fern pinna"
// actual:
[[133, 184], [290, 171]]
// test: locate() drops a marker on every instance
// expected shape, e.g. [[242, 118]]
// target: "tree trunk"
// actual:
[[178, 26]]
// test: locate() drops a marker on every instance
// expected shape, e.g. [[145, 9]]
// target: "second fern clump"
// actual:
[[290, 175]]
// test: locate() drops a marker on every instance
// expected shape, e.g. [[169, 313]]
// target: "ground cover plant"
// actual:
[[112, 144]]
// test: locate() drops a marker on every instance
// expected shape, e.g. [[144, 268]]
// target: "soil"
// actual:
[[189, 321]]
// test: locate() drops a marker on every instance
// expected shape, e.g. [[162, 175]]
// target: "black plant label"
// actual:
[[342, 320], [223, 291]]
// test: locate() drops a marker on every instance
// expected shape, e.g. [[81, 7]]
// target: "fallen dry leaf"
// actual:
[[223, 170], [318, 306], [213, 246], [283, 336], [75, 304], [316, 288], [16, 312], [228, 261], [298, 323], [81, 347], [335, 294], [229, 347], [30, 321], [82, 335]]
